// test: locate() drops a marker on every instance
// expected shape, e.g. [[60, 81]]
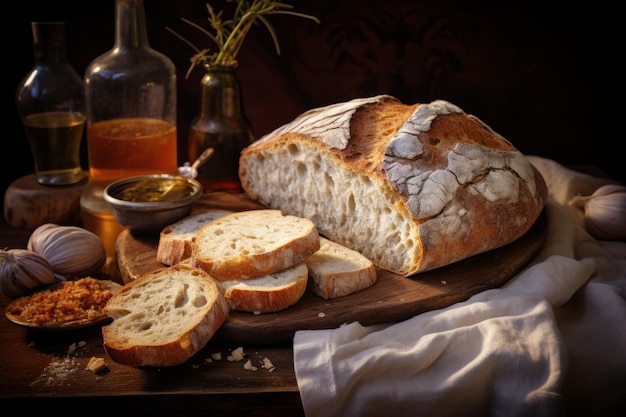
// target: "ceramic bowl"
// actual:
[[145, 204]]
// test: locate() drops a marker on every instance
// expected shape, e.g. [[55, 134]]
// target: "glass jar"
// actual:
[[131, 117], [221, 125], [51, 103]]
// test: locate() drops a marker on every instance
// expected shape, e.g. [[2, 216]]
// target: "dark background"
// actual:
[[544, 76]]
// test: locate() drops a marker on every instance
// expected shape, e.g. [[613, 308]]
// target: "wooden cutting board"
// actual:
[[392, 298]]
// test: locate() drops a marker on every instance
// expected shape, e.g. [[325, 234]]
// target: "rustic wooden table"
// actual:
[[37, 370], [40, 368]]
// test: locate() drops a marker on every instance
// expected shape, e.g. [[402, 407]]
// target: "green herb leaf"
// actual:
[[229, 35]]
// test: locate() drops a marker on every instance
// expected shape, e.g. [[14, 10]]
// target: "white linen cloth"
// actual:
[[552, 341]]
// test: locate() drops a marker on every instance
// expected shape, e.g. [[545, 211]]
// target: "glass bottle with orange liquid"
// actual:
[[131, 117]]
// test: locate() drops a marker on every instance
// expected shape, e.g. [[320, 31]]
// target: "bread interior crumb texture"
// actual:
[[153, 315], [314, 185]]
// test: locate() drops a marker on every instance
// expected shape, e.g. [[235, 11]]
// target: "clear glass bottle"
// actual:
[[51, 103], [131, 117], [221, 125]]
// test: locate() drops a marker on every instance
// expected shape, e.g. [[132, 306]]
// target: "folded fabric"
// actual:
[[500, 353]]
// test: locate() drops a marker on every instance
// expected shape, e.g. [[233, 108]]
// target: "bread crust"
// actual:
[[175, 239], [411, 187], [244, 254], [268, 294], [125, 344], [337, 271]]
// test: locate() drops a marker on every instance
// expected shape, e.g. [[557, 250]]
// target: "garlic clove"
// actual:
[[604, 212], [23, 271], [70, 250]]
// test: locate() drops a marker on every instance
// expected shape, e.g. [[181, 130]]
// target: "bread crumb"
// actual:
[[194, 366], [96, 365], [321, 315], [267, 364], [248, 366], [216, 356], [72, 301], [236, 355], [444, 282], [75, 346]]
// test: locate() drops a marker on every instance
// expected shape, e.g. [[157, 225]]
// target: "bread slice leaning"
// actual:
[[175, 240], [336, 271], [251, 244], [269, 293], [163, 318]]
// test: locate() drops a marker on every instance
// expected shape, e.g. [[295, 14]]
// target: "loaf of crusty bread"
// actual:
[[253, 243], [337, 271], [175, 240], [269, 293], [411, 187], [163, 318]]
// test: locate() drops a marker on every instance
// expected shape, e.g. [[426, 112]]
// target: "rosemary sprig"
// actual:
[[230, 34]]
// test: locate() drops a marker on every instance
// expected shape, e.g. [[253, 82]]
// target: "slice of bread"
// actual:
[[175, 240], [254, 243], [267, 294], [336, 271], [163, 318]]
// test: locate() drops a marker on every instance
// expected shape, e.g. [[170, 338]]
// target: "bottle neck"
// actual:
[[49, 43], [130, 24], [220, 94], [50, 53]]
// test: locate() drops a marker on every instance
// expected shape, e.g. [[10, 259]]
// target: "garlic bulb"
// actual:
[[70, 250], [23, 271], [605, 212]]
